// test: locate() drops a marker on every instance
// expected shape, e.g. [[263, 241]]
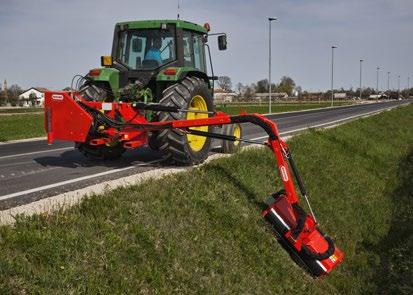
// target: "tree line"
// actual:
[[288, 86], [10, 95]]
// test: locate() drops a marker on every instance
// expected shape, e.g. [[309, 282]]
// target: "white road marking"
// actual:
[[40, 188], [24, 140], [33, 153]]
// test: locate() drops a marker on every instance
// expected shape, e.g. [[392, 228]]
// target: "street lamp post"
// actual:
[[361, 62], [270, 19], [377, 83], [388, 83], [398, 86], [408, 87], [332, 74]]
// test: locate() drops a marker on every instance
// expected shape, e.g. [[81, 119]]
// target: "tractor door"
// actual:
[[194, 50]]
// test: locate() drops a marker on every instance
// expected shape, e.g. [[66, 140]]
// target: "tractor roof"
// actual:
[[148, 24]]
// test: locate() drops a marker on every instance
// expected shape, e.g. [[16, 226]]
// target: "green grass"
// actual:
[[20, 110], [21, 126], [276, 107], [201, 232]]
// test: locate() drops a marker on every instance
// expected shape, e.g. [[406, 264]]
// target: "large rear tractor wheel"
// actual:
[[185, 149], [100, 152]]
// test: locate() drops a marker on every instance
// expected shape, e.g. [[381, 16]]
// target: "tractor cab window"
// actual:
[[199, 58], [146, 49], [194, 52]]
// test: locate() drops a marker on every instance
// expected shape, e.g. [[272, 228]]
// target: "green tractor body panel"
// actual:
[[110, 76], [181, 72]]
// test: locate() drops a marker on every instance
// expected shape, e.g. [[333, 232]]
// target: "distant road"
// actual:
[[33, 170]]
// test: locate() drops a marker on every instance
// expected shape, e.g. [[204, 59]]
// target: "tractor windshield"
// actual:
[[146, 49]]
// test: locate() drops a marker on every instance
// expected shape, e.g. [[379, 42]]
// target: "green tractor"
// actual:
[[164, 62]]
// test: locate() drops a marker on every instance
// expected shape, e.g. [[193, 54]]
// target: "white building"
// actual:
[[38, 92], [222, 96], [340, 95], [266, 96]]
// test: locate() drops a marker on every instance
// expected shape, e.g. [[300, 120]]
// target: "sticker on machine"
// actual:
[[57, 97], [284, 174]]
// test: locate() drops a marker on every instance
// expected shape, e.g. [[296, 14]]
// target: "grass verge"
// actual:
[[21, 110], [234, 109], [21, 126], [201, 231]]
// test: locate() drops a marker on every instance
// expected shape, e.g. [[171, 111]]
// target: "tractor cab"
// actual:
[[151, 55]]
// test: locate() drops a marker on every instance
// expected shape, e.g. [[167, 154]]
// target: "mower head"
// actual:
[[299, 234]]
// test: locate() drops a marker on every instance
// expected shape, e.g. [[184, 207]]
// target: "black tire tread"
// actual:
[[173, 143]]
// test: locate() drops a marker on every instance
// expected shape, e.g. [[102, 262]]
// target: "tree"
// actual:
[[239, 89], [3, 98], [261, 86], [249, 92], [286, 85], [13, 93], [225, 83], [33, 99]]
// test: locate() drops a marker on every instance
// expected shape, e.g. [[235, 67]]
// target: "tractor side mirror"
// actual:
[[222, 42], [137, 45]]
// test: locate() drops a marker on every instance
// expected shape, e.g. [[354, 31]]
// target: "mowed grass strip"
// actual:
[[21, 126], [276, 107], [21, 110], [201, 232]]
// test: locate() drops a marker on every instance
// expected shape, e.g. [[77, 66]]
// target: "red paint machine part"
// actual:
[[68, 116]]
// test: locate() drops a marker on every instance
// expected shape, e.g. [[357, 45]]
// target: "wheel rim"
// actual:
[[237, 134], [198, 103]]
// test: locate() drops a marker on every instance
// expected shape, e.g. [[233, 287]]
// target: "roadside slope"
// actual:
[[201, 232]]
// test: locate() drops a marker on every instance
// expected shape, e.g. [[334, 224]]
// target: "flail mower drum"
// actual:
[[69, 116]]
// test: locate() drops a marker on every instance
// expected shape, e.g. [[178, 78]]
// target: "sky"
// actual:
[[46, 42]]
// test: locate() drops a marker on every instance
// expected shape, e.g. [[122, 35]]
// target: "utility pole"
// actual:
[[408, 87], [361, 62], [388, 82], [332, 74], [377, 84], [6, 95], [270, 20], [398, 89]]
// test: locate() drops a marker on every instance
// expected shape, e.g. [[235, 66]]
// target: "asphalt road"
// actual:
[[33, 170]]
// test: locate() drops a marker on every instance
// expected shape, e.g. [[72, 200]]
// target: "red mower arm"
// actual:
[[70, 119]]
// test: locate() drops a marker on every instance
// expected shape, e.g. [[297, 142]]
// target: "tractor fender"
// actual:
[[107, 75], [180, 74], [198, 74]]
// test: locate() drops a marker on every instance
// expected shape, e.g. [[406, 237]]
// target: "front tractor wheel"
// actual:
[[185, 149]]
